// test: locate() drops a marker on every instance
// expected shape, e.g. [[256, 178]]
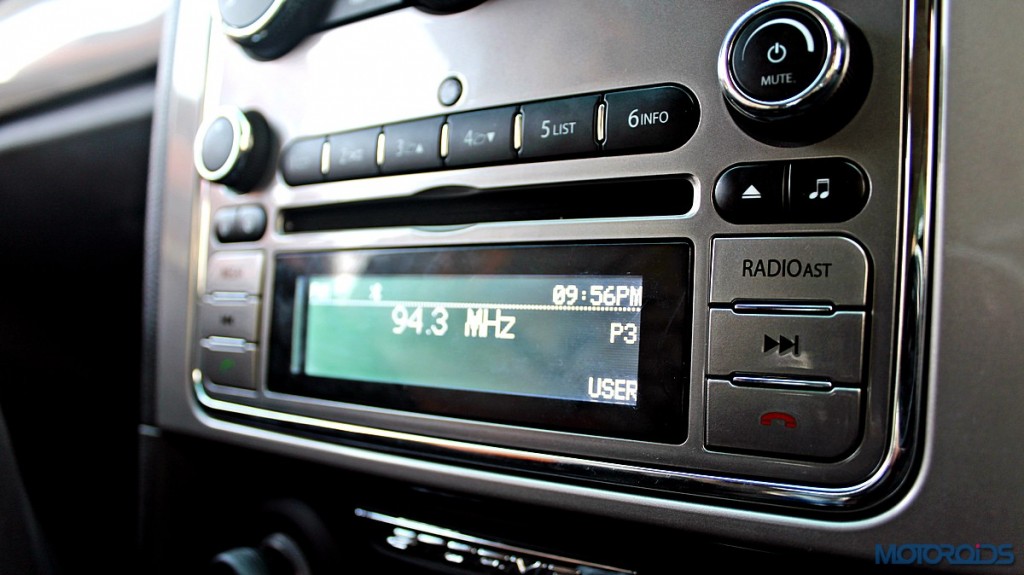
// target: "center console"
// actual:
[[669, 251]]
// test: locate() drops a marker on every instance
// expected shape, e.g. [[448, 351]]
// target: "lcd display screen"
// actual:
[[582, 337], [562, 337]]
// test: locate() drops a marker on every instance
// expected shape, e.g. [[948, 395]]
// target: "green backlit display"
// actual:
[[562, 337]]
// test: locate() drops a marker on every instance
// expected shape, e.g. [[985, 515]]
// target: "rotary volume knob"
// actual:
[[793, 70], [268, 29], [233, 148]]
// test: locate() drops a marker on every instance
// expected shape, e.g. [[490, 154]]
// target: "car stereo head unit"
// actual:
[[673, 255]]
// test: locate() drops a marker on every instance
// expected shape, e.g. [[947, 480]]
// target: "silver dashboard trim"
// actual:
[[822, 385], [681, 481], [771, 492]]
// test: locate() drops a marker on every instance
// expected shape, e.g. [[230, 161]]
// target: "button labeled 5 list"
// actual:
[[559, 127]]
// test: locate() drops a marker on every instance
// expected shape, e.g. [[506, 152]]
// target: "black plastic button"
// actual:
[[301, 160], [229, 317], [412, 146], [224, 223], [229, 361], [661, 118], [779, 54], [830, 190], [250, 223], [803, 424], [559, 127], [240, 223], [752, 193], [481, 137], [353, 154]]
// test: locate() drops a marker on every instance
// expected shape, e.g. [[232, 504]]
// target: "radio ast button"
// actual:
[[831, 347], [240, 272], [811, 269]]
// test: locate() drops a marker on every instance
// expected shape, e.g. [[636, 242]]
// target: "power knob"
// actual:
[[793, 70], [268, 29], [233, 148]]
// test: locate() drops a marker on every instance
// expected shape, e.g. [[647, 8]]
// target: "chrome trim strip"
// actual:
[[781, 382], [677, 481], [403, 523], [782, 308], [837, 44]]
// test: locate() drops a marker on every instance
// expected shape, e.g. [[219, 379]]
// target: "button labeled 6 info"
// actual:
[[660, 118]]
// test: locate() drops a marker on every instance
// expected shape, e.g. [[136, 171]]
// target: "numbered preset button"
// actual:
[[412, 146], [482, 137], [352, 154], [559, 127], [661, 118]]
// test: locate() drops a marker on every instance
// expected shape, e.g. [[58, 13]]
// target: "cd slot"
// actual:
[[620, 198]]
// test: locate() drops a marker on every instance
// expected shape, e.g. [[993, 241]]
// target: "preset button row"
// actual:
[[646, 119]]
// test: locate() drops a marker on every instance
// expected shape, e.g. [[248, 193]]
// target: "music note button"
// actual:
[[828, 190]]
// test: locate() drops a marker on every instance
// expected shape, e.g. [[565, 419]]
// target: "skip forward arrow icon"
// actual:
[[783, 344]]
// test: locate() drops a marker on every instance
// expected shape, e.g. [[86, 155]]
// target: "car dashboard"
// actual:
[[576, 287]]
